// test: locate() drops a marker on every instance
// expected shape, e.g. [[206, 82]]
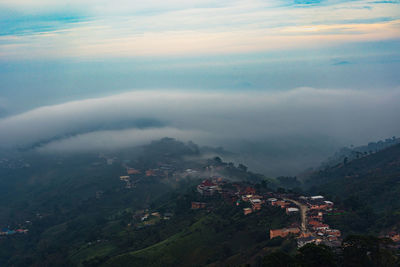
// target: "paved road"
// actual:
[[303, 210]]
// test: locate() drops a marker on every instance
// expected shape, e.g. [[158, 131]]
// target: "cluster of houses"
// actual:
[[127, 180], [395, 237], [289, 206], [6, 231], [13, 163], [235, 193], [163, 170], [147, 218], [315, 229], [209, 187]]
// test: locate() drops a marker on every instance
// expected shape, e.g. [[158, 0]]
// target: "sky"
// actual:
[[282, 81]]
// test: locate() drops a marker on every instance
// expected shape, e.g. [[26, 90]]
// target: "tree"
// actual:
[[242, 167], [367, 251], [278, 259], [312, 255]]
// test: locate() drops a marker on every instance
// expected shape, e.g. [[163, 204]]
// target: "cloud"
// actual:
[[118, 139], [276, 132], [165, 28], [220, 117]]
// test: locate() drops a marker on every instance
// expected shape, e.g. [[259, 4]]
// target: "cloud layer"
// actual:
[[349, 116], [276, 132]]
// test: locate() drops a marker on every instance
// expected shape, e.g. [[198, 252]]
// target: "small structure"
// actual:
[[124, 178], [207, 188], [291, 210], [283, 232], [131, 171], [150, 173], [167, 215], [317, 198], [247, 211], [156, 214], [198, 205], [250, 191], [302, 241], [255, 204], [280, 203]]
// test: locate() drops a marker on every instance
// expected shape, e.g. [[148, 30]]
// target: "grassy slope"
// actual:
[[212, 238]]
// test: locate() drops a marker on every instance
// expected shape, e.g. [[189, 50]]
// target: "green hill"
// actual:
[[366, 189], [374, 179]]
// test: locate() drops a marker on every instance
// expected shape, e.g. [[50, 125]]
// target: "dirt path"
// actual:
[[303, 210]]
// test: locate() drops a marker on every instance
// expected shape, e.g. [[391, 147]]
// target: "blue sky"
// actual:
[[55, 55]]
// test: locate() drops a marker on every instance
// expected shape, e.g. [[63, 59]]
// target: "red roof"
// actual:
[[207, 183]]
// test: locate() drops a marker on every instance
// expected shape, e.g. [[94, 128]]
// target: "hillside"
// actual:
[[167, 204], [366, 189], [374, 179]]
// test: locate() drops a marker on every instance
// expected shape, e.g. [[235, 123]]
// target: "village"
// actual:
[[311, 229]]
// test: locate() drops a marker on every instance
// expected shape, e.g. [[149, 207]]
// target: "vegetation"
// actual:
[[79, 213]]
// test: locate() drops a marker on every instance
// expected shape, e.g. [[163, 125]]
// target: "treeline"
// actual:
[[356, 251]]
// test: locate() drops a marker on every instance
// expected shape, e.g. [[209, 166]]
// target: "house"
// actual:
[[319, 207], [207, 188], [313, 223], [168, 215], [150, 173], [198, 205], [321, 226], [247, 211], [132, 171], [283, 232], [246, 198], [302, 241], [332, 238], [256, 204], [291, 210], [156, 214], [124, 178], [394, 236], [317, 198], [250, 191], [333, 232], [280, 203]]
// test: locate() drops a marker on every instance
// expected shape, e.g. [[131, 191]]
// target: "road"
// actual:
[[303, 210]]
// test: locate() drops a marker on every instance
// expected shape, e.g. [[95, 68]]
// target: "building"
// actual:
[[131, 171], [250, 191], [317, 198], [319, 206], [283, 232], [302, 241], [207, 188], [256, 204], [247, 211], [281, 203], [291, 210], [150, 173], [198, 205]]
